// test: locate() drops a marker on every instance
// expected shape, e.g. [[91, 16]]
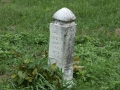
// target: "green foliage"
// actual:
[[101, 64], [36, 14], [35, 75], [24, 34], [12, 46], [2, 68]]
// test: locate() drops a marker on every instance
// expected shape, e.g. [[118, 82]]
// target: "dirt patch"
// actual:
[[3, 77], [117, 31], [6, 1]]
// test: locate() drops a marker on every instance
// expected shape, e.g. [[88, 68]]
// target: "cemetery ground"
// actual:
[[24, 41]]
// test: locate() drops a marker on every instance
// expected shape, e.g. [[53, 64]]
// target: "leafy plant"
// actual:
[[36, 75]]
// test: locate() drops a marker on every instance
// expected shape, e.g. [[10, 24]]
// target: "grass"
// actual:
[[24, 34], [31, 15]]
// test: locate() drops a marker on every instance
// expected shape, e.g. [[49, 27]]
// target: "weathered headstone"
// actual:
[[61, 45]]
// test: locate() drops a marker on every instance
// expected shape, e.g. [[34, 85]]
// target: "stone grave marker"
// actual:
[[61, 44]]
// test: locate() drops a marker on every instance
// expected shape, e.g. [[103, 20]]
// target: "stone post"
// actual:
[[61, 45]]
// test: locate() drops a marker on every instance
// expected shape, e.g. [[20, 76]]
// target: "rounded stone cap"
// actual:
[[65, 15]]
